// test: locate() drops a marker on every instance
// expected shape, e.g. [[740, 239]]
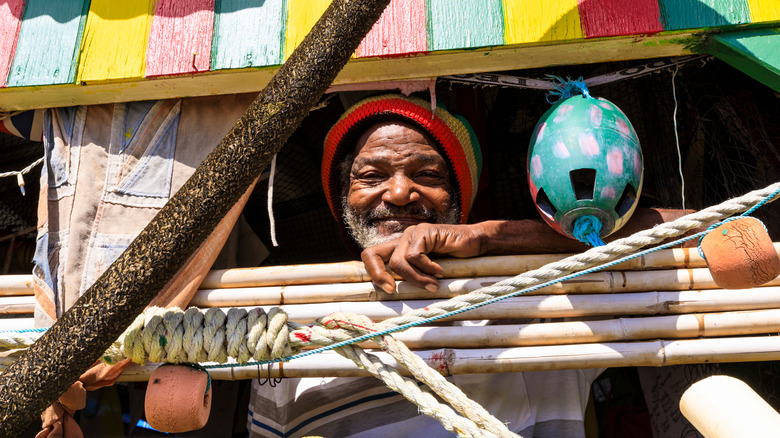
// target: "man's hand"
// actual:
[[407, 256]]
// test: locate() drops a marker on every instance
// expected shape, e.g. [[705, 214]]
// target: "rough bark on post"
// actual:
[[85, 331]]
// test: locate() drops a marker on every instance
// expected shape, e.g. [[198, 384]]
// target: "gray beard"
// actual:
[[361, 227]]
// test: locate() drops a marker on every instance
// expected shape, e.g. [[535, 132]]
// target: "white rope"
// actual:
[[428, 405], [270, 202], [20, 174], [450, 393], [677, 139]]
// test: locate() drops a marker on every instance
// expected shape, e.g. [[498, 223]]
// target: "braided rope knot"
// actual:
[[177, 336]]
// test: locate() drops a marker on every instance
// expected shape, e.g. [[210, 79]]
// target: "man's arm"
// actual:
[[408, 256]]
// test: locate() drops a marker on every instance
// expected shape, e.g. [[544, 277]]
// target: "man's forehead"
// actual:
[[393, 130], [420, 157]]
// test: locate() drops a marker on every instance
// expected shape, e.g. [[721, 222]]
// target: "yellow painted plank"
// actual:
[[114, 43], [301, 16], [530, 21], [764, 10]]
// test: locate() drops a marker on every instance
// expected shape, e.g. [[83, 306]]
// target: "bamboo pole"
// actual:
[[16, 324], [740, 323], [544, 306], [452, 361], [581, 332], [86, 330], [17, 305], [570, 334], [725, 407], [16, 285], [562, 306], [493, 266], [599, 282], [354, 271]]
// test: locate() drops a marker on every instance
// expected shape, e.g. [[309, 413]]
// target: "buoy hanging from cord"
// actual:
[[585, 166]]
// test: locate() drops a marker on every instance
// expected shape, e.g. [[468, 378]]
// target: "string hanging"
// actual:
[[565, 88]]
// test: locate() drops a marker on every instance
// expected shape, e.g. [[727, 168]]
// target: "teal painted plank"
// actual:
[[696, 14], [49, 41], [461, 24], [756, 53], [247, 33]]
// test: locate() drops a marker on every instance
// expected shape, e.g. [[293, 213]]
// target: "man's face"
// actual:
[[397, 179]]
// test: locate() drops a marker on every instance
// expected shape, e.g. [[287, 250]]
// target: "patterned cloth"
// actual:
[[109, 169]]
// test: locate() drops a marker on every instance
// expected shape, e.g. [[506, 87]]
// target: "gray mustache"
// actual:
[[385, 211]]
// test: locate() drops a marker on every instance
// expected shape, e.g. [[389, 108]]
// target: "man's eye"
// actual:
[[369, 175], [430, 175]]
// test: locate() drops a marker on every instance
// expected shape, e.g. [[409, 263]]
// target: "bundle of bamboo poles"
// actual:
[[659, 309]]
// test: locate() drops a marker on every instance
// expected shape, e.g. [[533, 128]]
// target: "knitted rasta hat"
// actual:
[[452, 134]]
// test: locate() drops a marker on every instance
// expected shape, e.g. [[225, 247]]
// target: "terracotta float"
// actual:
[[740, 254], [178, 398]]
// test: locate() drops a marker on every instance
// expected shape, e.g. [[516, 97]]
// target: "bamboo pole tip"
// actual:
[[722, 406]]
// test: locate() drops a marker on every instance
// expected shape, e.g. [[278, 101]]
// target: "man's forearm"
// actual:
[[534, 236]]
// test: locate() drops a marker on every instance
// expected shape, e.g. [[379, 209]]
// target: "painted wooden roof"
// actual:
[[55, 53]]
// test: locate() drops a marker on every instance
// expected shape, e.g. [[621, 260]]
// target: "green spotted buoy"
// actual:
[[585, 167]]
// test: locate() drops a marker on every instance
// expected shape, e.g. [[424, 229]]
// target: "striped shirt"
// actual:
[[533, 404]]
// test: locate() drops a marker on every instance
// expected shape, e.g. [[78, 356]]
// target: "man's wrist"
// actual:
[[486, 235]]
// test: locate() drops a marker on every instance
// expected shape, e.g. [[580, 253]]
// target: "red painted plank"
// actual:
[[180, 38], [602, 18], [10, 23], [400, 30]]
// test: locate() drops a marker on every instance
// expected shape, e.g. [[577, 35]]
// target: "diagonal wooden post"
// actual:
[[98, 318]]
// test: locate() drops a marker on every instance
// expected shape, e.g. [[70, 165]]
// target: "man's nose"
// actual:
[[401, 190]]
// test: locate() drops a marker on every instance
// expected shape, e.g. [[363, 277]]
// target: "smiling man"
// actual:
[[396, 179], [401, 179]]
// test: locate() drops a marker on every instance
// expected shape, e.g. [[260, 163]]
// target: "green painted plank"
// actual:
[[696, 14], [462, 24], [754, 52], [49, 40], [247, 33]]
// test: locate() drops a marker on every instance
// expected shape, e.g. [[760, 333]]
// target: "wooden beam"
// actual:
[[514, 57], [754, 52]]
